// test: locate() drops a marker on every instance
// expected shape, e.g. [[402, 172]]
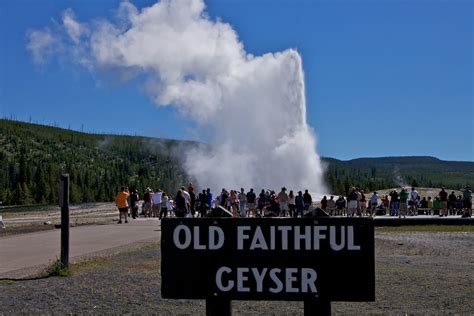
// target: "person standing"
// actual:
[[443, 196], [283, 201], [209, 197], [291, 203], [203, 204], [402, 210], [373, 204], [352, 203], [340, 205], [324, 203], [134, 198], [233, 203], [452, 201], [251, 197], [156, 198], [242, 202], [394, 203], [181, 204], [299, 204], [467, 201], [413, 202], [307, 199], [331, 205], [164, 205], [148, 202], [122, 204]]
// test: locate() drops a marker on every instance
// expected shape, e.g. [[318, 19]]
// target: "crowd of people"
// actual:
[[287, 203]]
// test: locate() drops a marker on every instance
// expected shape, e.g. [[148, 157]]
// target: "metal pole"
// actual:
[[64, 203], [218, 307], [317, 307]]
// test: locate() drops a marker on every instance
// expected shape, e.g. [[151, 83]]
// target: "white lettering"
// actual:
[[306, 237], [332, 238], [272, 237], [274, 277], [318, 236], [259, 278], [241, 236], [284, 236], [308, 280], [258, 240], [290, 278], [213, 245], [241, 278], [197, 245], [350, 239], [187, 236], [219, 284]]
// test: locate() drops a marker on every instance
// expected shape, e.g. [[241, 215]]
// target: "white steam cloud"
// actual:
[[252, 108]]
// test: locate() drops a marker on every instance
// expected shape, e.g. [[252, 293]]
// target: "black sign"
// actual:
[[268, 259]]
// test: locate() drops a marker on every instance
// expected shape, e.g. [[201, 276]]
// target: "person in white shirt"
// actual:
[[283, 198], [156, 199], [242, 202], [373, 204], [413, 203], [187, 197]]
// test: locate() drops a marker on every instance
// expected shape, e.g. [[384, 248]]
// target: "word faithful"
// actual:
[[290, 238]]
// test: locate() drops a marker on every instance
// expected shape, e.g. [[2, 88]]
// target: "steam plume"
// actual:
[[251, 108]]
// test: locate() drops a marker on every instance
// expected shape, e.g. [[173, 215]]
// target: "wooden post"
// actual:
[[317, 307], [64, 204], [218, 307]]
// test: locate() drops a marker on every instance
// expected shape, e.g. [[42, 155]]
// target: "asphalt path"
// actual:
[[22, 255]]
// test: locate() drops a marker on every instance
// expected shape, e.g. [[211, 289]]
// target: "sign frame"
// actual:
[[190, 273]]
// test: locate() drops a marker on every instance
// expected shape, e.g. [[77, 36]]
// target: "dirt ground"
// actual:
[[422, 273]]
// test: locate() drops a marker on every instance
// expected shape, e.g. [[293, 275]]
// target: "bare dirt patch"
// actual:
[[416, 273]]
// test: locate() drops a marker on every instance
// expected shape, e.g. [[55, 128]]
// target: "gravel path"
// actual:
[[416, 273]]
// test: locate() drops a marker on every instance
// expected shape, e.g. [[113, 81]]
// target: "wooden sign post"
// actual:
[[315, 260], [64, 204]]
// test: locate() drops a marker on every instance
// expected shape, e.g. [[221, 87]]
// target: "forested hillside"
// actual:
[[389, 172], [32, 157]]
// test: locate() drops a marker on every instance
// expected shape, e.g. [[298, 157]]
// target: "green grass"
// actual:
[[7, 282], [56, 268], [427, 228]]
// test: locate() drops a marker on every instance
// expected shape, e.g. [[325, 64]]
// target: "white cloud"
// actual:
[[42, 44], [73, 28], [253, 106]]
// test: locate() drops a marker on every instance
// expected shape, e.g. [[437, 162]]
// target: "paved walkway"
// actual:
[[19, 253]]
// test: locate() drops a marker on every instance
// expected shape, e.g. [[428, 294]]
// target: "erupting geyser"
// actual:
[[252, 109]]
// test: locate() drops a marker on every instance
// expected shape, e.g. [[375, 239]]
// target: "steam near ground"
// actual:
[[252, 109]]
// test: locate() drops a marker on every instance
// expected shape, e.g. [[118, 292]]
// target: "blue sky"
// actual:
[[383, 78]]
